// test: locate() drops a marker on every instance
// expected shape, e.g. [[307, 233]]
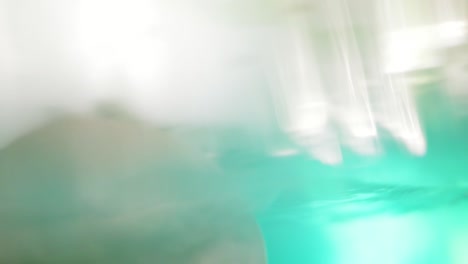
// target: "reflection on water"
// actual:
[[369, 200]]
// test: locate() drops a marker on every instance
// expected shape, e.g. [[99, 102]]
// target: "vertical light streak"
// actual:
[[306, 105], [405, 48], [356, 113]]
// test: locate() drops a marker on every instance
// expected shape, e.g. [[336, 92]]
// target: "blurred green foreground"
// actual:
[[97, 190]]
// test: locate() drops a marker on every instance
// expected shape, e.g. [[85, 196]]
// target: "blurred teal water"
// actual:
[[107, 191], [392, 208]]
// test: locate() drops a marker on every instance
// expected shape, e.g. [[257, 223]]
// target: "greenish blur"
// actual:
[[393, 208], [106, 191]]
